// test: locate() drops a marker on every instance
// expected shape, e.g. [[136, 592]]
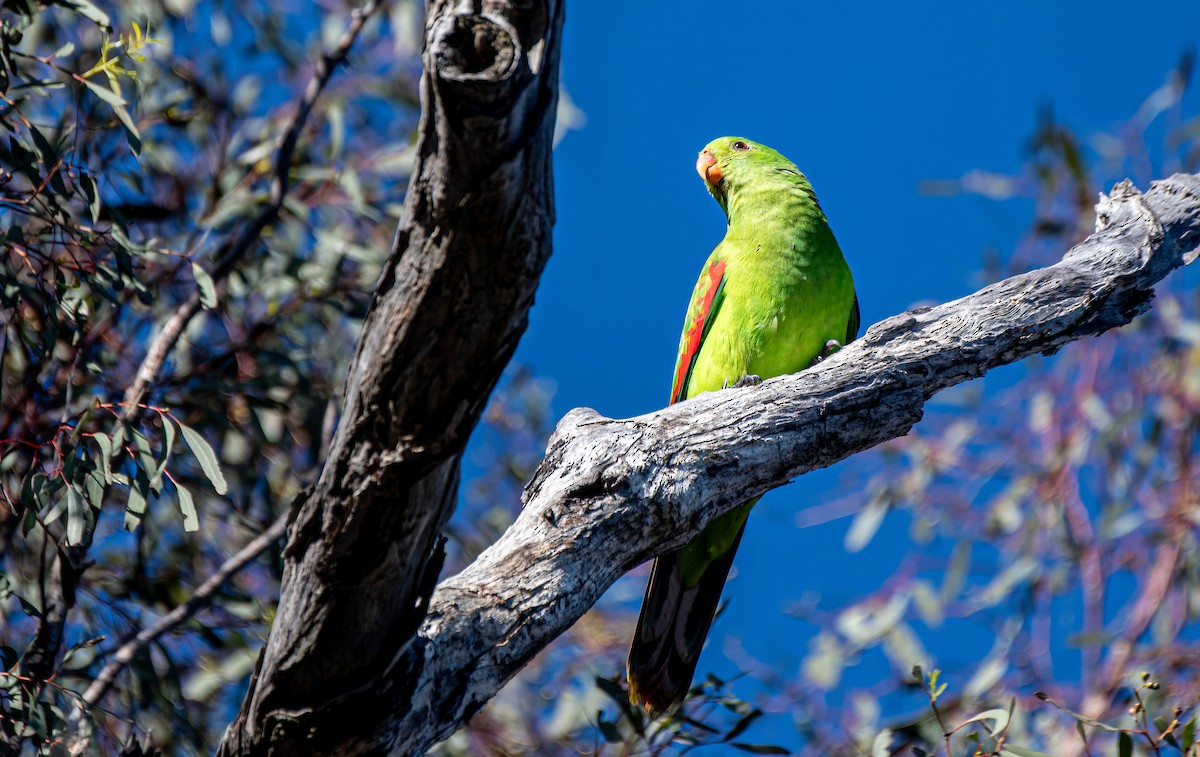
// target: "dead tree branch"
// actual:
[[612, 493]]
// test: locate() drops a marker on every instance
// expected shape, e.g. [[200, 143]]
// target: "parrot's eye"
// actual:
[[740, 146]]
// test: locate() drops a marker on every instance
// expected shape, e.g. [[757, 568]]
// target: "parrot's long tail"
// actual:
[[671, 629]]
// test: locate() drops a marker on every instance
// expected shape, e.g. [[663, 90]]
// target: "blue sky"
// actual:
[[869, 100]]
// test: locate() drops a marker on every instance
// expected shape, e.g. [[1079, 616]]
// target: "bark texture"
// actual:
[[610, 494], [365, 541]]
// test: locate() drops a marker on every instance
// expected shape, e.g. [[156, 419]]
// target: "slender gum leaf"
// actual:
[[104, 93], [205, 456], [93, 195], [1081, 718], [132, 135], [88, 11], [45, 149], [1000, 716], [93, 486], [610, 732], [146, 457], [55, 512], [117, 103], [76, 521], [28, 498], [135, 506], [106, 447], [760, 748], [168, 442], [118, 439], [740, 727], [1124, 745], [1020, 751], [208, 290], [188, 507]]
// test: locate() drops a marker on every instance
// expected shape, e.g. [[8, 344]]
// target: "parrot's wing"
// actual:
[[706, 301], [855, 320]]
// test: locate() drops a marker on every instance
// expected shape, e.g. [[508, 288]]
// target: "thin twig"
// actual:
[[165, 342], [167, 338], [197, 602], [1151, 596]]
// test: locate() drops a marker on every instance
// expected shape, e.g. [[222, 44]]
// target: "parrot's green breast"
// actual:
[[787, 290]]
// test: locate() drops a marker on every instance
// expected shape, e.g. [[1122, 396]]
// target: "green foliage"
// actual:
[[712, 717], [132, 165]]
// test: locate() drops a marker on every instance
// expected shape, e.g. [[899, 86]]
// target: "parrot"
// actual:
[[775, 297]]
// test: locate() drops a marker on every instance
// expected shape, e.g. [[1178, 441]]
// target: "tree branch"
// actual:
[[69, 561], [233, 251], [612, 493], [202, 598]]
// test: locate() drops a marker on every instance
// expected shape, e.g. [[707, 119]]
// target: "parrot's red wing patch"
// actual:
[[706, 300]]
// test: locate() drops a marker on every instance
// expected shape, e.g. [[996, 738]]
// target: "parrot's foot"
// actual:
[[830, 347], [743, 382]]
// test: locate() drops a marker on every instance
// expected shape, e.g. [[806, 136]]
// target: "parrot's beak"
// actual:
[[706, 166]]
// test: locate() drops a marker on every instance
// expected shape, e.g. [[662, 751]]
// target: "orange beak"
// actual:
[[706, 166]]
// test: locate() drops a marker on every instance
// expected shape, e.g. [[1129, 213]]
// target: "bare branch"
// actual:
[[1149, 599], [69, 561], [611, 493], [234, 251], [201, 599]]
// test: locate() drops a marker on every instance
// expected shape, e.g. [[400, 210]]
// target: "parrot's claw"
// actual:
[[830, 347], [744, 381]]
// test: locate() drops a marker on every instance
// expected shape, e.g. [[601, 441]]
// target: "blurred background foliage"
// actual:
[[1050, 511], [141, 141]]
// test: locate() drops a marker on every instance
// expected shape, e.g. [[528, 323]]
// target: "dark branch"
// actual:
[[453, 300], [202, 598]]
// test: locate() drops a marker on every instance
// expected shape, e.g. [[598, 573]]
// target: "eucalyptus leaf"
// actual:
[[92, 193], [89, 11], [135, 506], [76, 521], [188, 507], [206, 286], [205, 456], [106, 448]]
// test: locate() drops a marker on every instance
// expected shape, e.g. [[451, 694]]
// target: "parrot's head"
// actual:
[[728, 163]]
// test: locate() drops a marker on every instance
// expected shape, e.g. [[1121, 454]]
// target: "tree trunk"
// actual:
[[365, 544]]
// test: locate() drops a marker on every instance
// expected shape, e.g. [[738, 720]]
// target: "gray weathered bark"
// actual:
[[610, 494]]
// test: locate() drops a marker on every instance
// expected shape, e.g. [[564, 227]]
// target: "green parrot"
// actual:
[[775, 297]]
